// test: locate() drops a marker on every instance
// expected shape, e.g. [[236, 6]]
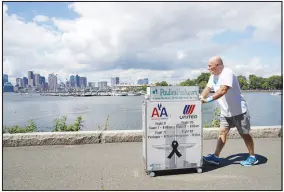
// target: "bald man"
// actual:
[[234, 110]]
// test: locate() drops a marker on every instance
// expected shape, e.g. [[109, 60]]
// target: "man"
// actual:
[[234, 110]]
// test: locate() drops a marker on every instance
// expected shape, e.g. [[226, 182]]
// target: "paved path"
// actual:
[[119, 166]]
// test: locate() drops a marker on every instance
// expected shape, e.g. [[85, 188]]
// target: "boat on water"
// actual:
[[276, 93], [119, 93], [134, 94]]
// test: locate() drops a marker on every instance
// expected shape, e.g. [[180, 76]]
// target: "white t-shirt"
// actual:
[[232, 103]]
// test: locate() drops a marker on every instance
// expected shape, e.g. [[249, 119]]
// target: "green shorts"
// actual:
[[241, 122]]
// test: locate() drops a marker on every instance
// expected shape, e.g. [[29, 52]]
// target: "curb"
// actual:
[[117, 136]]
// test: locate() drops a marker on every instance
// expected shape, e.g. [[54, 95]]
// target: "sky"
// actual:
[[162, 41]]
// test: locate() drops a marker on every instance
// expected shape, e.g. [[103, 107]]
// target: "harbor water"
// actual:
[[124, 112]]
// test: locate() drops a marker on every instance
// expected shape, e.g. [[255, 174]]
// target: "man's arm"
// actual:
[[222, 91], [205, 92]]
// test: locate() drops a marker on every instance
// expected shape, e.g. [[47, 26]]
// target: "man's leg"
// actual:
[[221, 141], [243, 125], [249, 143], [225, 124]]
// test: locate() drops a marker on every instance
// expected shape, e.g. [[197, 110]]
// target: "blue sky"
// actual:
[[112, 39], [29, 10]]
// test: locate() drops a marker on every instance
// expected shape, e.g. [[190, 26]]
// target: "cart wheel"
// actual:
[[152, 174], [199, 170]]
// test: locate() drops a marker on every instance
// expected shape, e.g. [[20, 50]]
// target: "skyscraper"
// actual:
[[21, 83], [5, 79], [31, 78], [25, 80], [52, 82], [18, 82], [102, 85], [72, 81], [146, 81], [8, 87], [83, 82], [77, 81], [37, 80], [143, 81], [114, 81]]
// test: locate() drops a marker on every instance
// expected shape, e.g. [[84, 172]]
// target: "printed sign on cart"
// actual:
[[170, 93], [173, 135]]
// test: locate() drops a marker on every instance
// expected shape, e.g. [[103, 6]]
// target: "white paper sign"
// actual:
[[174, 137]]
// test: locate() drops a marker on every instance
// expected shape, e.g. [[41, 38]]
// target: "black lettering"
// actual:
[[153, 137], [158, 132]]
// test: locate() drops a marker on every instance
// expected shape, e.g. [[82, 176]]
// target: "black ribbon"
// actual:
[[174, 146]]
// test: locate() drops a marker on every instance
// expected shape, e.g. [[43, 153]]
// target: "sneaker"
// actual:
[[249, 161], [211, 158]]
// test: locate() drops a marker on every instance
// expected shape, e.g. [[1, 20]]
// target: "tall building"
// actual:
[[31, 78], [83, 82], [146, 81], [37, 80], [72, 81], [52, 82], [42, 80], [102, 85], [114, 81], [45, 87], [77, 81], [8, 87], [91, 84], [18, 82], [143, 81], [5, 79], [21, 82], [25, 81]]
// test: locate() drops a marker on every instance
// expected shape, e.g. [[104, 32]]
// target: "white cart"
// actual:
[[172, 133]]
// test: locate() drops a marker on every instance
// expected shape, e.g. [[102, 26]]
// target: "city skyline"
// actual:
[[52, 82], [104, 40]]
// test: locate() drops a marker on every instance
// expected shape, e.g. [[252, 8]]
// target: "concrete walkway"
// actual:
[[119, 166]]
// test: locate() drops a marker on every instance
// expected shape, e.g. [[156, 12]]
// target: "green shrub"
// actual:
[[106, 124], [16, 129], [60, 124], [216, 120]]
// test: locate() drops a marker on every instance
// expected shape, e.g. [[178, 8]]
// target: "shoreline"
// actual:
[[243, 90], [262, 90]]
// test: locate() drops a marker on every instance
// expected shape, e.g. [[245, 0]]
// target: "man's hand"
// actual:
[[201, 98], [207, 100]]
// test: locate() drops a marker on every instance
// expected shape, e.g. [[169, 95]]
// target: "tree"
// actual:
[[203, 77], [265, 85], [189, 82], [163, 83], [202, 84], [275, 82], [243, 82], [144, 88]]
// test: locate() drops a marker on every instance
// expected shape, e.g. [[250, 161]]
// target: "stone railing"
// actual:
[[92, 137]]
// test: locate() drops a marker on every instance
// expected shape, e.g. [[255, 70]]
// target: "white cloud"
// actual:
[[155, 40], [40, 18], [254, 66], [5, 8]]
